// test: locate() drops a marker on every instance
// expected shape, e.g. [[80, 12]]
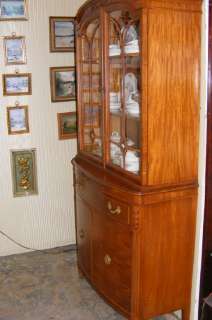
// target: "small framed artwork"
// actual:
[[63, 84], [17, 84], [62, 34], [13, 9], [17, 119], [67, 125], [24, 175], [15, 50]]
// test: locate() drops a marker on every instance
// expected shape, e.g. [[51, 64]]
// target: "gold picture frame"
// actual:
[[62, 34], [17, 120], [24, 172], [15, 50], [63, 84], [67, 125], [17, 84], [13, 10]]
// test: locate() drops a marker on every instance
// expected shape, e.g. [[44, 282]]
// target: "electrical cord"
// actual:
[[33, 249]]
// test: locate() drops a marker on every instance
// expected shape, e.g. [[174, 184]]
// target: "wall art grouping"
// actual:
[[63, 79], [62, 89]]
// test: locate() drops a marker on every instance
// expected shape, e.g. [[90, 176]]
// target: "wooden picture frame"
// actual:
[[67, 125], [17, 84], [62, 34], [24, 172], [17, 120], [63, 84], [15, 50], [13, 10]]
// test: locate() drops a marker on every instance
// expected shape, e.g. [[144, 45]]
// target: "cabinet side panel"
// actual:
[[168, 237], [173, 96]]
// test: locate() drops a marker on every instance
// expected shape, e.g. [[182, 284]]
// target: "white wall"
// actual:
[[47, 219], [202, 162]]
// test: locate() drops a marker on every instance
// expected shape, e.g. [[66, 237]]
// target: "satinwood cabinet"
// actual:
[[135, 174]]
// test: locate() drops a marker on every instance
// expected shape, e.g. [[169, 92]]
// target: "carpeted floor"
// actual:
[[37, 286]]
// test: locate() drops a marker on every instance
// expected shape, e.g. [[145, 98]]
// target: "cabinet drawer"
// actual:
[[116, 209], [112, 260], [88, 190]]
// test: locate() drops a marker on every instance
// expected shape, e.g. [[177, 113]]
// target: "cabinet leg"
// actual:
[[186, 314]]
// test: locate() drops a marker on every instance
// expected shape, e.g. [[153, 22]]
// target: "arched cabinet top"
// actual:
[[90, 7]]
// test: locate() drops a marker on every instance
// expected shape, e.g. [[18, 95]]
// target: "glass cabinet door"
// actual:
[[91, 82], [124, 92]]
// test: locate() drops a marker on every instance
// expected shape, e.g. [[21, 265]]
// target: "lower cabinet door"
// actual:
[[112, 260], [83, 223]]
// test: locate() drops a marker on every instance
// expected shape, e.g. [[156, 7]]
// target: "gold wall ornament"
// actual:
[[24, 172]]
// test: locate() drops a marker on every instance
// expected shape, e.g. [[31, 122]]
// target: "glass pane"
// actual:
[[116, 155], [125, 91], [91, 93], [85, 48], [133, 133], [132, 161], [115, 129]]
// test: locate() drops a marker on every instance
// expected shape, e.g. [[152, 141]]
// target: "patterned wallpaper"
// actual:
[[45, 220]]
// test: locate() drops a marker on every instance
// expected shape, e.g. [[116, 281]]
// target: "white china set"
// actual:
[[132, 161]]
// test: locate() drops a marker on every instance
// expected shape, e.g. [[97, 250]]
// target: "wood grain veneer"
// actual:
[[135, 234], [173, 99]]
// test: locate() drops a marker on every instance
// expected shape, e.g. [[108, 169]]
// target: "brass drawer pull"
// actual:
[[115, 211], [82, 234], [107, 260]]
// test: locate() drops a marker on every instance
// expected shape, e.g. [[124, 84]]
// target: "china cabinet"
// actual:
[[135, 174]]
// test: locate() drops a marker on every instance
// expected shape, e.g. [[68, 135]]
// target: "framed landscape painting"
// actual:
[[15, 50], [13, 9], [17, 120], [63, 84], [24, 175], [17, 84], [62, 34], [67, 125]]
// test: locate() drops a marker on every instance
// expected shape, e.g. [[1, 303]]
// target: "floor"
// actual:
[[47, 286]]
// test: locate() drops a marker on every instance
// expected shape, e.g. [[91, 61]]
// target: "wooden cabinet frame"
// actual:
[[157, 208]]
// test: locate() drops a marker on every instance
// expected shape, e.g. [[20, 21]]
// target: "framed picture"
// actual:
[[63, 84], [17, 84], [17, 120], [13, 9], [24, 175], [15, 50], [62, 34], [67, 125]]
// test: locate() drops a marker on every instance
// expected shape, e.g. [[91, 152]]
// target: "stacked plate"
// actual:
[[132, 107], [132, 162], [116, 155], [114, 50], [132, 47], [115, 101]]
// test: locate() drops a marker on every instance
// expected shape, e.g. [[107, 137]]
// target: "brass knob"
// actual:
[[82, 234], [107, 259], [112, 211]]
